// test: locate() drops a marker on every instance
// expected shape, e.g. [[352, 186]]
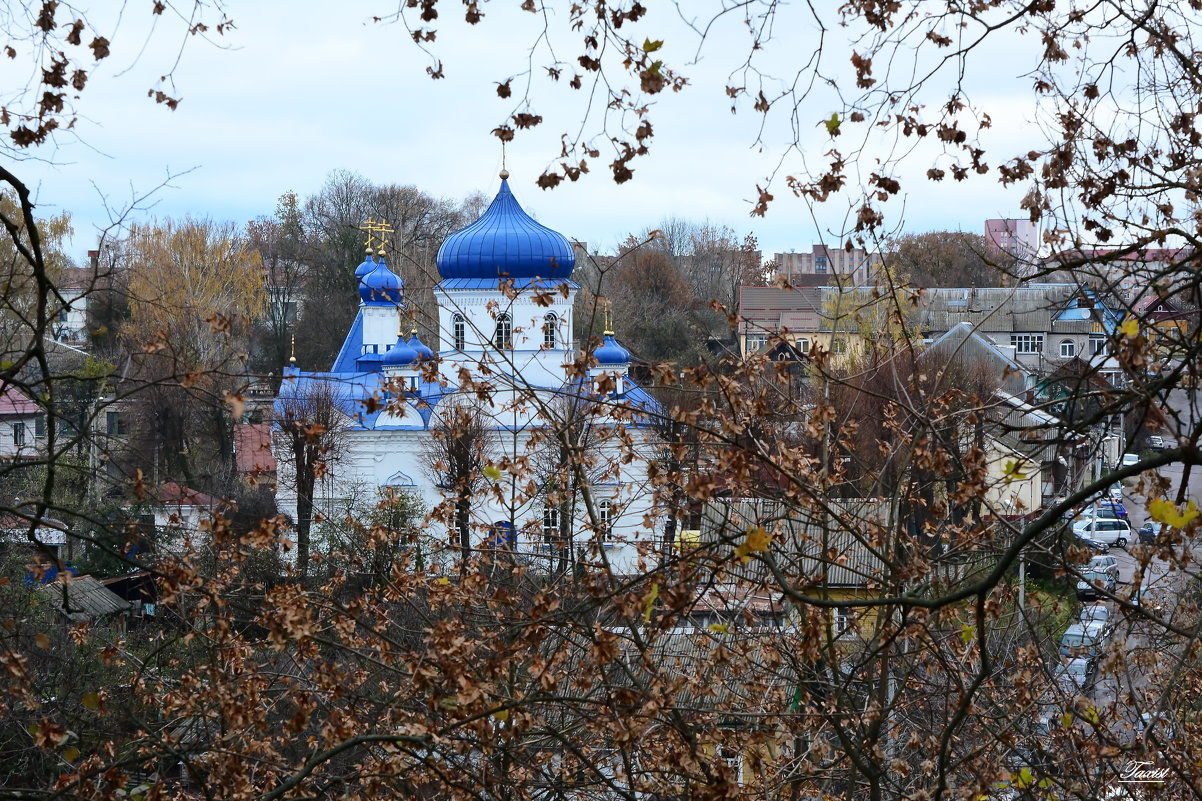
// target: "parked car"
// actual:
[[1149, 532], [1156, 442], [1111, 532], [1092, 544], [1106, 508], [1115, 492], [1083, 639], [1077, 674], [1104, 564], [1093, 584], [1130, 459], [1095, 613]]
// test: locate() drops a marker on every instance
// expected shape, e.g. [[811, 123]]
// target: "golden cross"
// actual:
[[383, 229], [369, 228]]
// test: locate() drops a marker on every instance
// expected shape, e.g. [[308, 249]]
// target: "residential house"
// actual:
[[22, 425]]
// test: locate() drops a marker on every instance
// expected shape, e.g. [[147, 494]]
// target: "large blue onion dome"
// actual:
[[368, 264], [506, 243], [402, 354], [611, 354], [381, 286], [423, 352]]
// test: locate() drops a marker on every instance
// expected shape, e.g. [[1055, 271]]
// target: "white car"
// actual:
[[1104, 564], [1130, 459], [1095, 613], [1111, 532]]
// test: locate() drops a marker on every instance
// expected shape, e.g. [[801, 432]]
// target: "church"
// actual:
[[508, 434]]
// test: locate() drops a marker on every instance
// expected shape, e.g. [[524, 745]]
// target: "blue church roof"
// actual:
[[381, 286], [611, 353], [506, 243]]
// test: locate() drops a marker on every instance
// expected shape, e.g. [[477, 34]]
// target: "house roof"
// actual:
[[15, 403], [252, 448], [821, 548], [85, 598], [172, 494]]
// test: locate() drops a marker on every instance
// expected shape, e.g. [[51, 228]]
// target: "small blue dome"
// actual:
[[402, 354], [381, 286], [424, 353], [506, 243], [365, 267], [611, 353]]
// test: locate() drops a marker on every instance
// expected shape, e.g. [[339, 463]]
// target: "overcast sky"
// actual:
[[305, 88]]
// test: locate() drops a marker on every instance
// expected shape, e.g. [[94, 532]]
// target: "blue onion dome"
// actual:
[[611, 353], [381, 286], [424, 353], [402, 354], [506, 243], [365, 267]]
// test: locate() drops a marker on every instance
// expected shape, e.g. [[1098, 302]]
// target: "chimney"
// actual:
[[94, 260]]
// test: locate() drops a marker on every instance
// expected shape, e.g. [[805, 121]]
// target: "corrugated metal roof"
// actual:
[[85, 598], [830, 547]]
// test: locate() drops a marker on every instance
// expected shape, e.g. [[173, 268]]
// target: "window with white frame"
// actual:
[[756, 342], [458, 332], [838, 346], [1027, 343], [733, 761], [19, 434], [550, 323], [39, 426], [840, 620], [1097, 346], [551, 525], [803, 346], [503, 338], [1068, 349], [604, 520]]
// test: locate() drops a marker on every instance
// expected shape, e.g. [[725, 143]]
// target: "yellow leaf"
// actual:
[[967, 632], [1066, 719], [1130, 327], [42, 641], [1014, 472], [492, 472], [92, 701], [650, 602], [1024, 778], [1165, 512], [501, 714], [71, 754], [758, 539], [719, 628], [1091, 714], [442, 581]]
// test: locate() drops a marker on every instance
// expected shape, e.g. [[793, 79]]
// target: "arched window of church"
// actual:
[[504, 335], [605, 520], [459, 331], [550, 322]]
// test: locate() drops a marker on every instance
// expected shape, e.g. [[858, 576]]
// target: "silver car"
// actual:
[[1104, 564], [1094, 613]]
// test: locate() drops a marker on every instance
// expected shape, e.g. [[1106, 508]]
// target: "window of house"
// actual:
[[1097, 346], [550, 322], [1027, 343], [841, 620], [113, 424], [604, 520], [803, 345], [503, 338], [39, 426], [551, 525], [838, 346], [756, 342], [733, 761], [820, 264], [19, 434], [1068, 349], [458, 332]]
